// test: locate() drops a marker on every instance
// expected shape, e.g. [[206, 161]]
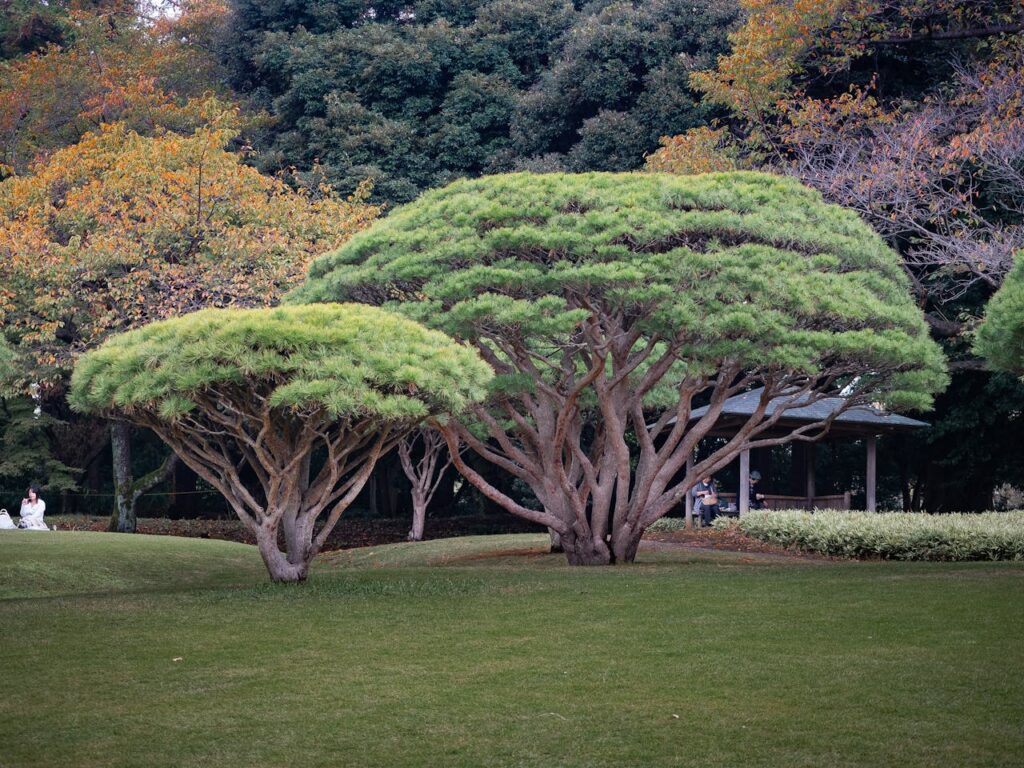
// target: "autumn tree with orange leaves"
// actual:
[[108, 63], [67, 68], [122, 229], [936, 170], [912, 113]]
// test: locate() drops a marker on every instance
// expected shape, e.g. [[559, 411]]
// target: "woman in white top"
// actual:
[[32, 510]]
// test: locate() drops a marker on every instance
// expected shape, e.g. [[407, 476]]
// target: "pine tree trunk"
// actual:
[[625, 543], [298, 538], [556, 541], [419, 516], [279, 565], [584, 550]]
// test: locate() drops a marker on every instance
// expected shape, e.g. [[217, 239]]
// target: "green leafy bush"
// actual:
[[668, 525], [891, 536]]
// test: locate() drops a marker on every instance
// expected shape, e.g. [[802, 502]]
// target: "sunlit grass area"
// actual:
[[129, 650]]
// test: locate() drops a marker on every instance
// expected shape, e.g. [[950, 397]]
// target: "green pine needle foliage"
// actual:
[[1001, 337], [349, 361], [738, 266]]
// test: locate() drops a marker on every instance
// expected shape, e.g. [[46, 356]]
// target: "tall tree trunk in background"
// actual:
[[425, 474], [127, 490], [419, 515], [185, 502], [391, 497], [371, 493]]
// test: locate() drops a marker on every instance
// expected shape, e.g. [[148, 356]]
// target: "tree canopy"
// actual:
[[341, 362], [245, 397], [1001, 336], [91, 63], [633, 297], [150, 227], [909, 112], [7, 363], [415, 94]]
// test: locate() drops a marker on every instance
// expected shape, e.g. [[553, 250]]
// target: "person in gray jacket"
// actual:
[[705, 499]]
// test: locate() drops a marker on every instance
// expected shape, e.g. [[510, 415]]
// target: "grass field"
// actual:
[[155, 651]]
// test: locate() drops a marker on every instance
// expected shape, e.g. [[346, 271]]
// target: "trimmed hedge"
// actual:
[[891, 536]]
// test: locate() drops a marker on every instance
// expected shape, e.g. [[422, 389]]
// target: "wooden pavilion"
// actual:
[[854, 423]]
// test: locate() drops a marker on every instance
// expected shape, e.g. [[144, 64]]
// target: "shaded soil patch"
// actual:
[[361, 532], [729, 540], [524, 553]]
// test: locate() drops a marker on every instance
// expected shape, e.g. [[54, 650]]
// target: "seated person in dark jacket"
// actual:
[[756, 499], [705, 499]]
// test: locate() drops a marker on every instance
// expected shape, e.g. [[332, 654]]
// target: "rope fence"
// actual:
[[80, 494]]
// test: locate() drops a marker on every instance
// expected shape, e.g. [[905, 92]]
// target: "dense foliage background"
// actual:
[[909, 112], [415, 94]]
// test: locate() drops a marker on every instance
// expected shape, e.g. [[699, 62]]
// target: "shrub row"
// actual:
[[893, 535]]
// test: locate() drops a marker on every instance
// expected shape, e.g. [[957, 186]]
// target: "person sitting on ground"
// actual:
[[705, 497], [755, 499], [32, 510]]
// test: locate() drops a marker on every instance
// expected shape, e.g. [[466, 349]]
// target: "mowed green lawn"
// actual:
[[147, 651]]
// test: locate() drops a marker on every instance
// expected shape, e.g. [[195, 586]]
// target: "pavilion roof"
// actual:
[[862, 419]]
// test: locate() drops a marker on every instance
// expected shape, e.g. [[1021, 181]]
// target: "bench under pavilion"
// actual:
[[859, 422]]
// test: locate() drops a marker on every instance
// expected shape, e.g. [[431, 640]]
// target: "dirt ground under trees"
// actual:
[[359, 532], [728, 540]]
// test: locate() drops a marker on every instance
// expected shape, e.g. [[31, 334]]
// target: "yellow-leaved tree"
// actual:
[[111, 63], [121, 229]]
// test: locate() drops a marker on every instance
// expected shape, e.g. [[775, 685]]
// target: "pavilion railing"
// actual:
[[780, 501]]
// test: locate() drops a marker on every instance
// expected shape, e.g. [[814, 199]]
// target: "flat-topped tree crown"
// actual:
[[613, 297], [265, 389], [345, 361]]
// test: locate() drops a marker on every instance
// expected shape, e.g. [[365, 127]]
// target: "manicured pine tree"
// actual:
[[612, 305], [284, 411]]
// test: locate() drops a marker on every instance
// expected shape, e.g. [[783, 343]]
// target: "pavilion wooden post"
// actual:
[[743, 497], [689, 496], [812, 491], [872, 474]]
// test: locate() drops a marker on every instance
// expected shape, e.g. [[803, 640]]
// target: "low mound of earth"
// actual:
[[359, 532], [348, 534]]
